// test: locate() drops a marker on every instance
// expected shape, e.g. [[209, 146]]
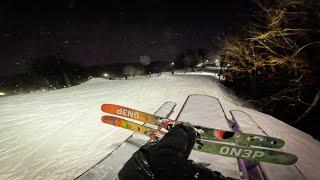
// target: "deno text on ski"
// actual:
[[128, 113]]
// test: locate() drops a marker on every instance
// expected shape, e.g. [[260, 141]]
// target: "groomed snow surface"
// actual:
[[58, 134]]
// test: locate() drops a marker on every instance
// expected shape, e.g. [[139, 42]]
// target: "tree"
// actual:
[[277, 58], [187, 59], [56, 70], [145, 61]]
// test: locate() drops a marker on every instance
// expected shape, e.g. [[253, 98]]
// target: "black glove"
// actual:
[[168, 158]]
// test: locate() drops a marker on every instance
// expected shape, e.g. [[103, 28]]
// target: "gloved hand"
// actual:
[[168, 158]]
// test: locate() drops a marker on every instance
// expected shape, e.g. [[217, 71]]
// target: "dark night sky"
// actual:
[[95, 33]]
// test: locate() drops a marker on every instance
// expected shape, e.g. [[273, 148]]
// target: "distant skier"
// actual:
[[168, 159]]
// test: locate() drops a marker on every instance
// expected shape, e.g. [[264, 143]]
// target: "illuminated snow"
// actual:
[[58, 134]]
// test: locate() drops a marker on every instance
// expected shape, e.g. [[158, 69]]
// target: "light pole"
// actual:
[[172, 67]]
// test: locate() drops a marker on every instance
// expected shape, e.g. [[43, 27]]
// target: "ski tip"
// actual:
[[279, 143], [110, 108], [111, 120], [108, 119], [103, 106], [293, 160]]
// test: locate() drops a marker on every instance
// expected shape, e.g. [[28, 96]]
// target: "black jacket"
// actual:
[[167, 159]]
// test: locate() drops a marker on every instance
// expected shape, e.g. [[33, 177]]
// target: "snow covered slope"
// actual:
[[59, 135]]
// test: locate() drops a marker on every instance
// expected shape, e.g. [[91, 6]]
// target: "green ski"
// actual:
[[249, 153]]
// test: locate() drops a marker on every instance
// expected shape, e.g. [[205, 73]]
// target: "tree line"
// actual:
[[275, 61]]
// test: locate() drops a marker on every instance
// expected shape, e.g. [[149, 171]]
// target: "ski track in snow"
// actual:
[[58, 134]]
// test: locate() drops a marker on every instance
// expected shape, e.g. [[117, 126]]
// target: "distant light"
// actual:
[[2, 94], [105, 75], [43, 90], [217, 62], [172, 63], [207, 61]]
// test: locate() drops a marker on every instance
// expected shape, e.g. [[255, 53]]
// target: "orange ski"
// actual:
[[152, 133], [129, 113], [208, 133]]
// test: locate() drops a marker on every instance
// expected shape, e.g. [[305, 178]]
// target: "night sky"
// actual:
[[95, 33]]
